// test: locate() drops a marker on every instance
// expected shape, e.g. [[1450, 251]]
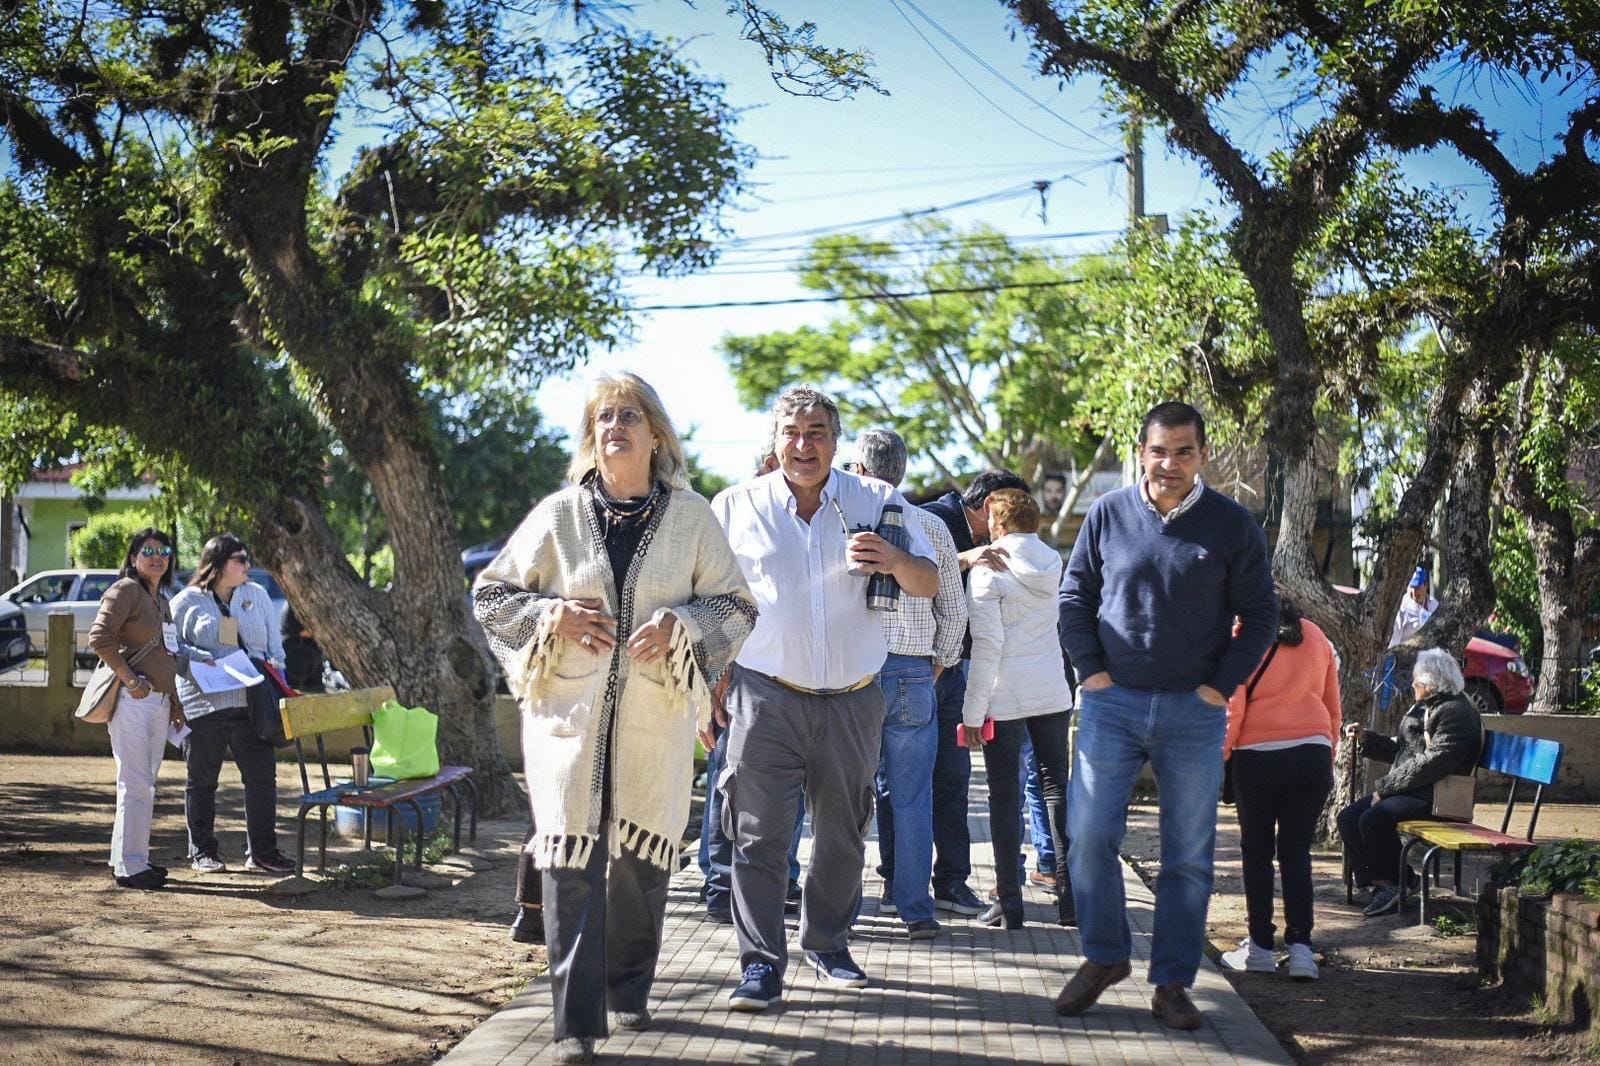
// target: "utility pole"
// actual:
[[1135, 161], [1135, 158]]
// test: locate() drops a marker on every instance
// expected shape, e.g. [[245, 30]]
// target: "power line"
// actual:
[[1014, 120], [878, 296], [986, 65], [1010, 193], [792, 265]]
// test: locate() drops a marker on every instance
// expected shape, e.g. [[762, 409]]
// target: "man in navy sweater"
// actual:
[[1158, 574]]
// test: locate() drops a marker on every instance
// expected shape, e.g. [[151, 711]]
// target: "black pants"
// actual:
[[530, 885], [1280, 796], [602, 932], [212, 736], [1370, 838], [1002, 758]]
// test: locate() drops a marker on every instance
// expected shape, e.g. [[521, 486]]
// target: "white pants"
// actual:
[[138, 734]]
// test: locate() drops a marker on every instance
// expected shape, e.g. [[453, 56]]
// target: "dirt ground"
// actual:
[[1390, 990], [215, 969]]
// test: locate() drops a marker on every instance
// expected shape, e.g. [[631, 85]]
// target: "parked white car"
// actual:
[[76, 591]]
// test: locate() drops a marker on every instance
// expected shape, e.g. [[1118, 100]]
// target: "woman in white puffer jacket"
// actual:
[[1018, 678]]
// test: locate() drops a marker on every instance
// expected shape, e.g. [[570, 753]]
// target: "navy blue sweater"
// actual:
[[1153, 603]]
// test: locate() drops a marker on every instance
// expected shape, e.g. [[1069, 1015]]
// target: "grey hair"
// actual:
[[1437, 671], [881, 453], [798, 398]]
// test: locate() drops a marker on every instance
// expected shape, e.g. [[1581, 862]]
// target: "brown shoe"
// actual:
[[1087, 984], [1043, 880], [1173, 1008]]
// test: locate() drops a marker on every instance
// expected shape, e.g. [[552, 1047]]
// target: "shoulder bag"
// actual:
[[99, 700], [1250, 690], [1454, 795]]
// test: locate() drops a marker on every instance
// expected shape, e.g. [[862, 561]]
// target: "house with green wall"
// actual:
[[47, 509]]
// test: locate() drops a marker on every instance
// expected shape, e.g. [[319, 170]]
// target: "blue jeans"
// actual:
[[1044, 845], [716, 850], [905, 782], [1119, 728], [952, 773]]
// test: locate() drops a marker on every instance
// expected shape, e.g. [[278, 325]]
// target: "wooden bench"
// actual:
[[1520, 758], [315, 716]]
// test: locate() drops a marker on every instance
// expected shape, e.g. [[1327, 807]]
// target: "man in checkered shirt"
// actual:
[[924, 638]]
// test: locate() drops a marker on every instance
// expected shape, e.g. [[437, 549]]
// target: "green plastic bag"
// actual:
[[404, 741]]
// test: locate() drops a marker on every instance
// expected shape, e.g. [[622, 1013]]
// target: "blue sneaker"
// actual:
[[759, 989], [837, 968]]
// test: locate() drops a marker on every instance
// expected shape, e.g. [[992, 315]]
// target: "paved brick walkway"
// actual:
[[973, 995]]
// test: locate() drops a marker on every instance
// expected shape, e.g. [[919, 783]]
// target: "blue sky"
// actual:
[[934, 139]]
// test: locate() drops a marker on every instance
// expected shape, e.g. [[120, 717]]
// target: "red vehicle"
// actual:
[[1498, 681]]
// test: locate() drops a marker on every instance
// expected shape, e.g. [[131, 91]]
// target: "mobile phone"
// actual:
[[987, 732]]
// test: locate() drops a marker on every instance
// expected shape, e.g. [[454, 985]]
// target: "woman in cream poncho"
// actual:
[[613, 609]]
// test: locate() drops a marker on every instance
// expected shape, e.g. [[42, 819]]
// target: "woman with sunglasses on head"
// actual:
[[132, 634], [613, 609], [219, 722]]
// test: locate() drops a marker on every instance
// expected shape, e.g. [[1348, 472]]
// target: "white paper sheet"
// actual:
[[176, 734], [232, 671]]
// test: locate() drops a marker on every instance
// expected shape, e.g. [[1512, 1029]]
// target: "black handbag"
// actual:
[[1250, 690], [263, 699]]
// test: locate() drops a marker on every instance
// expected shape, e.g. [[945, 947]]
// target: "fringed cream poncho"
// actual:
[[579, 709]]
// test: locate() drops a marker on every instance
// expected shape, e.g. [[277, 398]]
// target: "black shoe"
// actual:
[[273, 862], [997, 915], [957, 900], [146, 879], [886, 900], [791, 902], [528, 926], [161, 870]]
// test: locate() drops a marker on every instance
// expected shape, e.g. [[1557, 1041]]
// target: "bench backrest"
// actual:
[[1527, 758], [1522, 759], [313, 715], [308, 716]]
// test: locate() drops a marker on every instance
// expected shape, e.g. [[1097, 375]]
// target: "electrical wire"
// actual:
[[1014, 120], [878, 297], [1010, 193], [986, 65]]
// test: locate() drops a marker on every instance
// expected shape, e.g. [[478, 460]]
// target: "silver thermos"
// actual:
[[360, 766]]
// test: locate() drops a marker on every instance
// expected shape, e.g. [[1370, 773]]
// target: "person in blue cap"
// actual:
[[1415, 609]]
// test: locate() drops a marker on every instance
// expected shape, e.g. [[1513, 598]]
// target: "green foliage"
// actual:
[[1569, 866], [103, 541], [1450, 925], [1516, 584]]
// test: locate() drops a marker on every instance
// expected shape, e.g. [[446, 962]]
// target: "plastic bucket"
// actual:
[[347, 821]]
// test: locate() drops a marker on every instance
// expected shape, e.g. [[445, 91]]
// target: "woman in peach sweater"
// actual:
[[1281, 729]]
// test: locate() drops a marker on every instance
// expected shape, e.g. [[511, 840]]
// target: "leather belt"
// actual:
[[857, 687]]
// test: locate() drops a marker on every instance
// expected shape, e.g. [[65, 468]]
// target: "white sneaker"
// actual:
[[1302, 966], [1250, 956], [209, 863]]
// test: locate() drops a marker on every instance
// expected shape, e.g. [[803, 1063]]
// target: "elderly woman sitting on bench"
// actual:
[[1440, 735]]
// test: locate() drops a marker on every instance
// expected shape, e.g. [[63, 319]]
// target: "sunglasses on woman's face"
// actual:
[[150, 551], [240, 557]]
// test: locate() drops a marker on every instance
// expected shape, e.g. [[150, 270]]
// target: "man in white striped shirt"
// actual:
[[924, 638]]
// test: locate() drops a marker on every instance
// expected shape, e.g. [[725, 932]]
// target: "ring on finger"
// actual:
[[588, 639]]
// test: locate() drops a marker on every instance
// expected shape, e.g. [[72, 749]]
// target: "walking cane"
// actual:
[[1352, 780]]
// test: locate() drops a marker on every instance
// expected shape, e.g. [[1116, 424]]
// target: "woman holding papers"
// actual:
[[133, 634], [220, 612]]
